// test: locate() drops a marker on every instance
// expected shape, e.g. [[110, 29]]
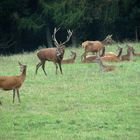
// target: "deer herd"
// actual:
[[56, 54]]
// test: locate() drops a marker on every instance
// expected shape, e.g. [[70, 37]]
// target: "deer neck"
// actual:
[[103, 52], [74, 56], [59, 53], [120, 52], [23, 75], [101, 65], [104, 42], [130, 54]]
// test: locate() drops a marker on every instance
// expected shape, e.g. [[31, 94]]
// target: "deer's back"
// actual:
[[125, 57], [109, 68], [10, 82], [68, 61], [92, 45], [110, 58], [47, 54], [89, 58]]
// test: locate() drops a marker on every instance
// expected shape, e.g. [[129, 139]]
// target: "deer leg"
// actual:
[[13, 95], [37, 66], [83, 55], [43, 67], [60, 67], [56, 67], [18, 95]]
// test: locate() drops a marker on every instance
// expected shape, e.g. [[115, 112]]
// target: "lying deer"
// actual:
[[91, 58], [53, 54], [13, 82], [104, 68], [112, 57], [95, 46], [133, 51], [129, 55], [70, 60], [135, 54]]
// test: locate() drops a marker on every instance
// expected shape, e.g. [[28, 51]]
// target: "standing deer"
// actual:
[[95, 46], [70, 60], [91, 58], [53, 54], [13, 82]]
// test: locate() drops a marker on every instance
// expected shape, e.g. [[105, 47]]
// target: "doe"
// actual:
[[14, 82]]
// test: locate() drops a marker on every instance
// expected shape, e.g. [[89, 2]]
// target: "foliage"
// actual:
[[90, 19]]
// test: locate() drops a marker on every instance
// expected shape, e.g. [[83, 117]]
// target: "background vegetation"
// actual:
[[26, 24], [81, 104]]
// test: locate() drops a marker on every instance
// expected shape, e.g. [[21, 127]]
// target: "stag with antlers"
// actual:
[[53, 54]]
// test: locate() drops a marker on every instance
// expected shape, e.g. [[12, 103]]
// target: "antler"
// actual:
[[53, 36], [68, 37]]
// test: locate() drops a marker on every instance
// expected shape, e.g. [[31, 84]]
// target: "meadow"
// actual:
[[82, 104]]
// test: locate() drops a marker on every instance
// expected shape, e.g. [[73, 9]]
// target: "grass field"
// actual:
[[81, 104]]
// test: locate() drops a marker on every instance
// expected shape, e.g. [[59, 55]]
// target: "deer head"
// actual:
[[108, 40], [22, 67], [60, 46]]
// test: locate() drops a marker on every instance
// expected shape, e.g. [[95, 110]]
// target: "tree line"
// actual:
[[26, 24]]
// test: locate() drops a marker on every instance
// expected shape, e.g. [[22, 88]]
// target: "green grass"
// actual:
[[81, 104]]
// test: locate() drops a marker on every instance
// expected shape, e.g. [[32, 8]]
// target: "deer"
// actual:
[[135, 54], [91, 58], [129, 55], [133, 51], [55, 54], [70, 60], [103, 67], [95, 46], [14, 82], [112, 57]]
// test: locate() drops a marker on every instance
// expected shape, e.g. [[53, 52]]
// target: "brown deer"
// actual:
[[133, 51], [129, 55], [91, 58], [70, 60], [53, 54], [95, 46], [103, 67], [135, 54], [112, 57], [13, 82]]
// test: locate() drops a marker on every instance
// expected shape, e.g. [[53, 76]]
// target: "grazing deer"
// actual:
[[95, 46], [91, 58], [13, 82], [129, 55], [70, 60], [112, 57], [53, 54], [104, 68]]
